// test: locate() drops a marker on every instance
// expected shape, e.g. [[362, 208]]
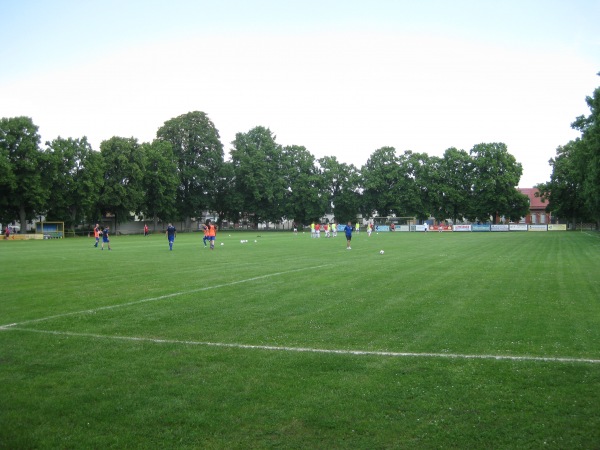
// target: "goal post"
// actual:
[[407, 220], [387, 220], [51, 230], [394, 223]]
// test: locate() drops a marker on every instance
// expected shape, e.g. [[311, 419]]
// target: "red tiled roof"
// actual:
[[534, 202]]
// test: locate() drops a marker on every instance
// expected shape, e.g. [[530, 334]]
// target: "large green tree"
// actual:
[[123, 189], [76, 180], [454, 179], [305, 199], [159, 181], [496, 175], [229, 202], [382, 182], [589, 147], [565, 190], [258, 163], [23, 187], [413, 185], [199, 155], [342, 181], [395, 184]]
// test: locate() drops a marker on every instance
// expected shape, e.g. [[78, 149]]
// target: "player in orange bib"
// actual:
[[205, 229], [212, 233], [97, 234]]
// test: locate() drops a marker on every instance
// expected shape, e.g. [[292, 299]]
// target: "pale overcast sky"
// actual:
[[342, 78]]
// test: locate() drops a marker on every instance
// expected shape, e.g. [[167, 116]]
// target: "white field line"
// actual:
[[312, 350], [17, 326], [161, 297], [597, 236]]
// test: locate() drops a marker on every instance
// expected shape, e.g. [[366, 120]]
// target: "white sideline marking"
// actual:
[[162, 297], [17, 326], [313, 350]]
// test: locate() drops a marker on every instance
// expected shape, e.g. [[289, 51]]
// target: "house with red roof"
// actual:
[[537, 208]]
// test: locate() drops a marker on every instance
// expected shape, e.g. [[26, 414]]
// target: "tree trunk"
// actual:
[[22, 219]]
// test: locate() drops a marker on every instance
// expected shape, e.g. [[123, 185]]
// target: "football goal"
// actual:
[[383, 220]]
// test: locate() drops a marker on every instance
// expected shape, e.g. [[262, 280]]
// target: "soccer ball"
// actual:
[[222, 243], [381, 252]]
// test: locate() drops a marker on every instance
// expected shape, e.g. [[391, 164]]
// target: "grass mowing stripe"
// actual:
[[162, 297], [450, 295], [312, 350]]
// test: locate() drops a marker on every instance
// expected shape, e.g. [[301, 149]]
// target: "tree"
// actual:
[[413, 190], [76, 180], [564, 191], [395, 185], [305, 199], [454, 180], [122, 193], [590, 153], [342, 182], [381, 177], [496, 175], [159, 181], [199, 155], [23, 191], [229, 203], [257, 161]]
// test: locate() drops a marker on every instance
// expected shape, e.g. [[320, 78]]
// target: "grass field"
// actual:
[[448, 340]]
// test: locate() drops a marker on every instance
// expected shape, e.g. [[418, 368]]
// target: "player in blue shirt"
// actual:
[[171, 233], [348, 231], [105, 238]]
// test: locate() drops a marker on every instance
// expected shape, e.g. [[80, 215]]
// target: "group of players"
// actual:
[[105, 236], [209, 228], [210, 233], [330, 230]]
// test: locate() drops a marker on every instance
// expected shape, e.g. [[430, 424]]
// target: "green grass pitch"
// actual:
[[448, 340]]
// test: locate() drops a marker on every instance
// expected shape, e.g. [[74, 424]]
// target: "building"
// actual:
[[537, 208]]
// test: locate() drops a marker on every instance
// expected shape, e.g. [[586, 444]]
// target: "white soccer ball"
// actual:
[[222, 243], [381, 252]]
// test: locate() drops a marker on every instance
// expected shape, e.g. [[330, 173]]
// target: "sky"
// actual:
[[342, 78]]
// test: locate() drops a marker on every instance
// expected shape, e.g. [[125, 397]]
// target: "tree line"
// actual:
[[183, 172], [573, 191]]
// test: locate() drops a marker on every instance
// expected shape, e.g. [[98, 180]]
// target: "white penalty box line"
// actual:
[[161, 297], [18, 326], [314, 350]]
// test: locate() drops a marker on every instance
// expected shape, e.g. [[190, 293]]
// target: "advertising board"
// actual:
[[462, 227], [518, 227], [538, 228], [557, 227]]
